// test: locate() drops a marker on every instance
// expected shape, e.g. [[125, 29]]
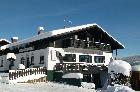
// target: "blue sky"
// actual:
[[120, 18]]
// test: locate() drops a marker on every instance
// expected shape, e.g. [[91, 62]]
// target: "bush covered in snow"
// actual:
[[119, 72], [120, 79]]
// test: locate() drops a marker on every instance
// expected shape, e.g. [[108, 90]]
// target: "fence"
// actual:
[[14, 74]]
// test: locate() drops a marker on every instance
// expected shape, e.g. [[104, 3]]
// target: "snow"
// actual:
[[111, 36], [21, 66], [119, 66], [15, 38], [3, 47], [4, 77], [41, 87], [5, 40], [117, 88], [11, 55], [73, 75], [40, 28], [88, 85]]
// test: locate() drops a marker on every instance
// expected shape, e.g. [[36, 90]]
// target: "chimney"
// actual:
[[14, 39], [40, 30]]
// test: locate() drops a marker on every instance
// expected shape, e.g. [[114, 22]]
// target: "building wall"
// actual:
[[5, 64], [108, 56], [36, 54], [49, 54], [50, 58]]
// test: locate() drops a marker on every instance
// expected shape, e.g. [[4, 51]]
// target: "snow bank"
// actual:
[[119, 66], [88, 85], [73, 75], [4, 77], [21, 66], [41, 87], [119, 88]]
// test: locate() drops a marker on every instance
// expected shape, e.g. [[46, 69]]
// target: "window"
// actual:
[[32, 59], [99, 59], [1, 63], [69, 58], [12, 63], [27, 60], [53, 55], [22, 60], [41, 59], [85, 58]]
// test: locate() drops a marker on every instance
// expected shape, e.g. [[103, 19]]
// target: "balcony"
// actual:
[[84, 44], [79, 68]]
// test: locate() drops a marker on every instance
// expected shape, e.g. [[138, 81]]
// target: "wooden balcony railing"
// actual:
[[78, 43], [79, 68]]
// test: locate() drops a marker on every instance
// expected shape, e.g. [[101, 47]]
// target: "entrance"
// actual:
[[96, 80], [87, 78]]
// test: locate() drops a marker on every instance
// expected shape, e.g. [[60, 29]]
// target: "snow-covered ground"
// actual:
[[116, 66], [56, 87], [41, 87], [117, 88]]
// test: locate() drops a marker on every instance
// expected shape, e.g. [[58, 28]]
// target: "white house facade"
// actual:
[[87, 45]]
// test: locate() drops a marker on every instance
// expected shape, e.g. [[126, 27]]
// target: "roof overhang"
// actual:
[[109, 39], [106, 37]]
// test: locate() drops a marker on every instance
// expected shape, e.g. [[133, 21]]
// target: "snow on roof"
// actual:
[[111, 36], [5, 40], [15, 38], [57, 32], [40, 28], [11, 55], [119, 66]]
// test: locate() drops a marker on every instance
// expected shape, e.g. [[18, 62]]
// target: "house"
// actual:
[[87, 45]]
